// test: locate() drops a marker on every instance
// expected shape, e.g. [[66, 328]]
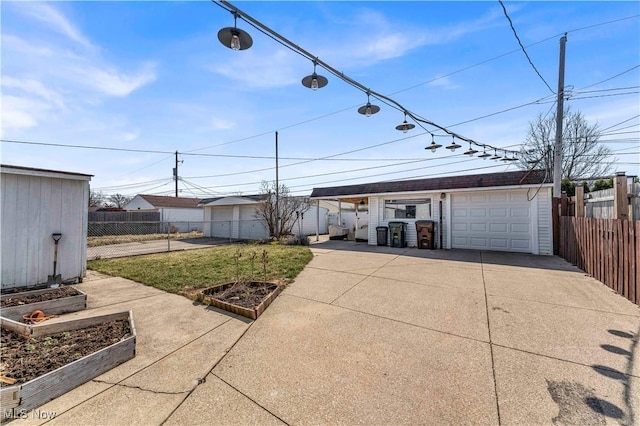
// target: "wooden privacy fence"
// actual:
[[606, 249]]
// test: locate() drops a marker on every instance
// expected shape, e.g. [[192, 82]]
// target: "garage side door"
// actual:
[[491, 220]]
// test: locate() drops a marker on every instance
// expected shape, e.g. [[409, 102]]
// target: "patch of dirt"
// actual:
[[244, 294], [51, 294], [25, 359]]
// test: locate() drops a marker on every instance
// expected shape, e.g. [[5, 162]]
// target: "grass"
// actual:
[[119, 239], [185, 271]]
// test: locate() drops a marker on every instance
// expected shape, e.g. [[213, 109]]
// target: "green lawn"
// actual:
[[182, 272]]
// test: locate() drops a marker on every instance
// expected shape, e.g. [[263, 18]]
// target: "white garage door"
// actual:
[[491, 220]]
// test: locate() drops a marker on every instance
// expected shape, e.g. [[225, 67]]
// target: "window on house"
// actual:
[[408, 209]]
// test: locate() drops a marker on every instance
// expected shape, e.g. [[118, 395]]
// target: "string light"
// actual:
[[453, 145], [433, 145], [315, 81]]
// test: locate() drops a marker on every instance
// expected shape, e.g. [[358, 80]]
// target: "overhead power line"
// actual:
[[421, 121], [515, 33]]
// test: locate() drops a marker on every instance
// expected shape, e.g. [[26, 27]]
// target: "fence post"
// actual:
[[168, 236], [579, 201], [564, 204], [620, 197]]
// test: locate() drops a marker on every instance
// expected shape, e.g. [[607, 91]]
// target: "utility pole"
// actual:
[[277, 193], [175, 174], [557, 151]]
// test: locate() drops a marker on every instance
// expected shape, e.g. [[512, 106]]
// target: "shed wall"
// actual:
[[34, 207]]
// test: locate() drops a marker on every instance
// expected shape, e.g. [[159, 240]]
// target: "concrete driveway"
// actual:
[[385, 336]]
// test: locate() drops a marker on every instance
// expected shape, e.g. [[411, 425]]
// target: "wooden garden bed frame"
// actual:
[[252, 313], [34, 393], [58, 306]]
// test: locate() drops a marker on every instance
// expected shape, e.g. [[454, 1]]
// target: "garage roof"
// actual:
[[487, 180], [165, 201]]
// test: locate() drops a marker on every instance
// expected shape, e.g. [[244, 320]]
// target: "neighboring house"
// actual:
[[37, 203], [183, 213], [235, 217], [508, 211]]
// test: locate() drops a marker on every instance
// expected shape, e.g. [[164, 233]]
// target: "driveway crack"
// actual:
[[493, 363]]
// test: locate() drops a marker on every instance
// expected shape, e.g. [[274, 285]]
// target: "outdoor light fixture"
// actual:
[[368, 109], [495, 155], [484, 154], [453, 145], [433, 145], [404, 126], [470, 151], [507, 158], [314, 81], [235, 38]]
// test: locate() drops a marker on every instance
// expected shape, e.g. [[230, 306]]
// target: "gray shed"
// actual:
[[37, 203]]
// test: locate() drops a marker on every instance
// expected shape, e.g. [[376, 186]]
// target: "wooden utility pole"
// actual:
[[175, 174], [277, 194], [557, 152]]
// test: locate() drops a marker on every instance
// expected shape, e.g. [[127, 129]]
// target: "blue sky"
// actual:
[[152, 76]]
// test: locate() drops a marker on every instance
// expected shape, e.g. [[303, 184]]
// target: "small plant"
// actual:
[[49, 341], [66, 334], [30, 347], [252, 259], [236, 257], [264, 260]]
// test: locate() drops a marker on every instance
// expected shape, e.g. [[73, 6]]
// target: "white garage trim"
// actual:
[[502, 220]]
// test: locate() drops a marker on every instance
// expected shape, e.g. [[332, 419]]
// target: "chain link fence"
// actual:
[[129, 238], [119, 239]]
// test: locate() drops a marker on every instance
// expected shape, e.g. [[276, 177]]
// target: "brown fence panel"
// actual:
[[607, 249]]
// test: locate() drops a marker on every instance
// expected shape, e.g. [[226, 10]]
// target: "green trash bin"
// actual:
[[398, 234]]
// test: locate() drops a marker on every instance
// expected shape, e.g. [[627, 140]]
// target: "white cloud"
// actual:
[[222, 124], [22, 113], [33, 87], [443, 82], [112, 82], [257, 69], [53, 19]]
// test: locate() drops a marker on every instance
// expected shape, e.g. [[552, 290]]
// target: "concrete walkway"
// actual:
[[378, 336]]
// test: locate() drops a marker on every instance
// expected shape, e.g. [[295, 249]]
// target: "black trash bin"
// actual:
[[398, 234], [382, 235], [426, 235]]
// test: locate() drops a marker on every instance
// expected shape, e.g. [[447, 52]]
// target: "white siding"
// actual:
[[139, 203], [250, 228], [184, 219], [545, 228], [374, 220], [174, 214], [34, 207], [309, 222]]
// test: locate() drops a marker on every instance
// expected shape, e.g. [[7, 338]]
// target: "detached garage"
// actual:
[[235, 217], [508, 211], [36, 204]]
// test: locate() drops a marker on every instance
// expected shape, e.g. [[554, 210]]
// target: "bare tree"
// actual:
[[96, 198], [118, 200], [290, 209], [583, 156]]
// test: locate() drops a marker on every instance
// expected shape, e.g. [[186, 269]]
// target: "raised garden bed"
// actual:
[[60, 356], [52, 301], [249, 299]]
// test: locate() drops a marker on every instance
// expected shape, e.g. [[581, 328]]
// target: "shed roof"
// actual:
[[166, 201], [32, 171], [517, 178], [254, 198]]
